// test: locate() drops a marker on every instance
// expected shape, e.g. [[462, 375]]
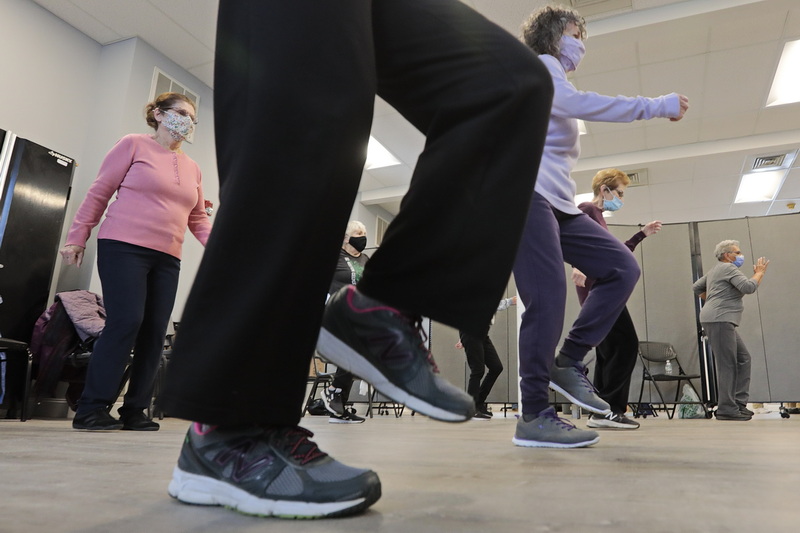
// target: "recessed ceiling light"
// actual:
[[378, 156], [759, 186], [786, 84]]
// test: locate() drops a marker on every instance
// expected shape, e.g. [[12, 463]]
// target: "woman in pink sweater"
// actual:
[[158, 195]]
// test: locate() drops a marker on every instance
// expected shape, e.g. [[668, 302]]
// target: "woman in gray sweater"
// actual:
[[723, 289]]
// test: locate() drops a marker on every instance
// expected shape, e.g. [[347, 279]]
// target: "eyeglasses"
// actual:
[[181, 112], [620, 193], [735, 253]]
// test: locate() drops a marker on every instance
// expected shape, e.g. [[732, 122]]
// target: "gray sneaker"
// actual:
[[386, 348], [268, 472], [571, 381], [550, 431]]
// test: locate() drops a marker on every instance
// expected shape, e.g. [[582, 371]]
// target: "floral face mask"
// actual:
[[178, 126]]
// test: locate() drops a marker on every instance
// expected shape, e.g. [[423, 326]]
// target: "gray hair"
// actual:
[[353, 226], [724, 247]]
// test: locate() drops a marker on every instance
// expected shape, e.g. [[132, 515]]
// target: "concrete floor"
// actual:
[[669, 476]]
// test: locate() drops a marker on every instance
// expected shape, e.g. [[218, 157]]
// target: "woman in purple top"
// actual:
[[158, 195], [616, 354], [557, 231]]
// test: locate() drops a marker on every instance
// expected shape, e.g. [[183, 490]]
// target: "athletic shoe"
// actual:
[[97, 420], [138, 421], [745, 411], [386, 348], [738, 416], [571, 381], [550, 431], [349, 417], [333, 401], [480, 415], [614, 420], [484, 408], [268, 472]]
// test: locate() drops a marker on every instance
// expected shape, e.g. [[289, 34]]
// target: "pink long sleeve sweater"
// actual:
[[159, 194]]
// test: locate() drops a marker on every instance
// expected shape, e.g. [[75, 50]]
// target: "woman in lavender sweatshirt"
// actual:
[[557, 232], [158, 195]]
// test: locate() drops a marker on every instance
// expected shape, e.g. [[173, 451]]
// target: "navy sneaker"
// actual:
[[268, 472], [386, 348]]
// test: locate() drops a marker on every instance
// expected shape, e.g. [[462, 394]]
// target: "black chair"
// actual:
[[10, 346], [654, 357], [319, 378]]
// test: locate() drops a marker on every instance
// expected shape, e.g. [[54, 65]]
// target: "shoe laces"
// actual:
[[416, 323], [560, 421], [582, 371], [296, 440]]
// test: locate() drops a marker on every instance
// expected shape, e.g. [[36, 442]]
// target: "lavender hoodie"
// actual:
[[562, 148]]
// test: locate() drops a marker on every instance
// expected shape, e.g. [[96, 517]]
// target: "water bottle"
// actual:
[[668, 367]]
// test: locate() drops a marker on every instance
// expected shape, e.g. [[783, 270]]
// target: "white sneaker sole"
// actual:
[[545, 444], [340, 354], [202, 490], [609, 425]]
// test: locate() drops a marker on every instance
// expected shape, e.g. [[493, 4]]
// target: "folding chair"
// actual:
[[10, 346], [318, 377], [654, 356]]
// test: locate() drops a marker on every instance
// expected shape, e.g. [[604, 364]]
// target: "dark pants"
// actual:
[[552, 238], [139, 286], [343, 379], [616, 359], [733, 363], [481, 355], [295, 84]]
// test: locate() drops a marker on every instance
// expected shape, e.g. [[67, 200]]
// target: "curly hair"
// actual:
[[543, 29], [164, 101], [724, 247], [611, 178]]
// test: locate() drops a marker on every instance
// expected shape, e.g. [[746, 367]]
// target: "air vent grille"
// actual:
[[768, 161], [638, 177]]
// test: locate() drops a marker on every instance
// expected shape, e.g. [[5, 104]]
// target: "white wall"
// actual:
[[65, 91]]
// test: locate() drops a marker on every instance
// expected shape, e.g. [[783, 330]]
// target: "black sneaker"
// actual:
[[741, 417], [571, 381], [138, 422], [480, 415], [613, 420], [97, 420], [269, 472], [386, 348], [333, 401], [349, 417], [744, 410]]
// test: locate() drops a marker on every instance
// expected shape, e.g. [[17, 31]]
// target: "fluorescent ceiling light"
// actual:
[[786, 84], [378, 156], [759, 186]]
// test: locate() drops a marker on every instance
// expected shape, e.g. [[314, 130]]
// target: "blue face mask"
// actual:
[[613, 204], [739, 261]]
